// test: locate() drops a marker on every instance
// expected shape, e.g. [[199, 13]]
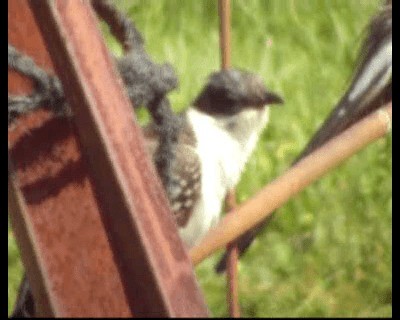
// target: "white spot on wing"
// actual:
[[342, 112], [382, 60]]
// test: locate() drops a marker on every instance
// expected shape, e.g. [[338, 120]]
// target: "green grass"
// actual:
[[328, 251]]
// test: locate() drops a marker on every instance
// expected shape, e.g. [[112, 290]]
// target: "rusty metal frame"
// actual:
[[93, 224]]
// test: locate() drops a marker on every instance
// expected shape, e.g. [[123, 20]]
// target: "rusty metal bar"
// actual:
[[295, 179], [224, 11], [232, 293], [32, 257], [232, 265], [153, 264], [52, 205]]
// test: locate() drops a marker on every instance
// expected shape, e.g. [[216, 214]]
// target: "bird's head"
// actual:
[[229, 92]]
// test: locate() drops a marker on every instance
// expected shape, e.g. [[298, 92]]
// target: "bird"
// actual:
[[216, 137], [370, 88], [219, 133]]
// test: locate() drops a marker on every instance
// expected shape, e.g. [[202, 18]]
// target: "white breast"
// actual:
[[223, 155]]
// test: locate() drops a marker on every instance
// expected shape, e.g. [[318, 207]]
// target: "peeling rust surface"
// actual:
[[71, 194], [66, 255], [155, 268]]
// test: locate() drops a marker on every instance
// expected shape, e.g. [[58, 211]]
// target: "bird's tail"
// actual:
[[371, 87]]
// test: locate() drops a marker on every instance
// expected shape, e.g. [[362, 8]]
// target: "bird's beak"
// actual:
[[272, 98]]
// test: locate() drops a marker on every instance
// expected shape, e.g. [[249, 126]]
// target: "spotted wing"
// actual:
[[185, 183]]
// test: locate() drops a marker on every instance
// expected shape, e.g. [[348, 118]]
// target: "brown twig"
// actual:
[[294, 180]]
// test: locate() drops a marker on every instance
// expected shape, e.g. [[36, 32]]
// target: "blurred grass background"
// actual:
[[328, 252]]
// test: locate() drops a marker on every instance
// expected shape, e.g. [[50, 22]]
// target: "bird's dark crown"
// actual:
[[230, 91]]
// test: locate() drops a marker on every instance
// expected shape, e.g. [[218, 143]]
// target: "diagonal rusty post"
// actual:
[[109, 197]]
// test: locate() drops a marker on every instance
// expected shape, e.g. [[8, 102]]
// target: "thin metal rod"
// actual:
[[232, 264], [224, 10], [295, 180]]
